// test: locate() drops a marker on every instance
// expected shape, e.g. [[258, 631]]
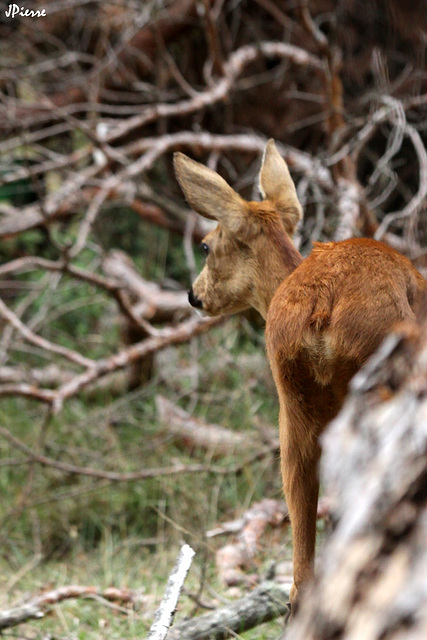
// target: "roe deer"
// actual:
[[325, 314]]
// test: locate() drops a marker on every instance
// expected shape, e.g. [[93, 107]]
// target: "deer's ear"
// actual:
[[209, 194], [277, 186]]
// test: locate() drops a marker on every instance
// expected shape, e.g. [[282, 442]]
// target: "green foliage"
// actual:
[[19, 192], [121, 435], [157, 252]]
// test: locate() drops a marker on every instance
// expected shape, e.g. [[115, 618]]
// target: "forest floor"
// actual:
[[59, 529]]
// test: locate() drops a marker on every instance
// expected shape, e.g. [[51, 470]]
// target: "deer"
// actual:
[[325, 315]]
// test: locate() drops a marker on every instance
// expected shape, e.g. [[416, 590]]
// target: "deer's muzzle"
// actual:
[[193, 300]]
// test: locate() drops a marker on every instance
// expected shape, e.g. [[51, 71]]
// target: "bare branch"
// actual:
[[97, 369], [348, 207], [164, 614], [194, 432], [231, 559], [51, 347], [419, 198], [153, 302], [266, 602], [36, 607], [111, 476], [170, 336], [233, 67]]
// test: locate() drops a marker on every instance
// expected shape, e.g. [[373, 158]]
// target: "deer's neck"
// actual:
[[276, 263]]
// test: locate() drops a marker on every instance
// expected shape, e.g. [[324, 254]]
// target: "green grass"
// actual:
[[128, 534], [127, 564]]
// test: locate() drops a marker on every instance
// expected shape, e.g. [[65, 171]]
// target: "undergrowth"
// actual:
[[58, 528]]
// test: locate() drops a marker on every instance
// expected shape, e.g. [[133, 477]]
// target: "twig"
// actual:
[[214, 65], [112, 476], [232, 558], [164, 614], [35, 608], [69, 196], [69, 354], [348, 207], [175, 335], [26, 390], [419, 198], [114, 287], [88, 221], [153, 302], [99, 369], [233, 67]]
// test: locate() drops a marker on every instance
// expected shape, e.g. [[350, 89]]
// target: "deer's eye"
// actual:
[[205, 248]]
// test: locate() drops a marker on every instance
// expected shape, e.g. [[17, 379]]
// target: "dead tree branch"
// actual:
[[111, 476], [153, 303], [266, 602], [195, 433], [98, 369], [37, 606], [231, 559], [164, 614], [233, 67], [40, 342]]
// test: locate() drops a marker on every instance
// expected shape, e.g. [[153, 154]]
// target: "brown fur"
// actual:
[[325, 315]]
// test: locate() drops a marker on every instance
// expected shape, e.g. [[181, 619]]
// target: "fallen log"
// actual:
[[37, 606], [195, 433], [266, 602], [232, 558]]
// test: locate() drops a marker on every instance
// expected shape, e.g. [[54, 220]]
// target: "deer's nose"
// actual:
[[193, 300]]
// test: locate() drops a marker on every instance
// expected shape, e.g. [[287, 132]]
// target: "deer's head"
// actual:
[[247, 255]]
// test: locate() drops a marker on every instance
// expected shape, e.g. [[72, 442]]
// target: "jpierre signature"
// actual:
[[14, 10]]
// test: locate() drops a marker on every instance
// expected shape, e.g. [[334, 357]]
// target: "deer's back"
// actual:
[[340, 303]]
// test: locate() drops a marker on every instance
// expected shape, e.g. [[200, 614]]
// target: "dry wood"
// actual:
[[49, 376], [52, 376], [233, 67], [41, 342], [304, 92], [112, 476], [37, 606], [348, 205], [194, 433], [152, 302], [170, 336], [164, 614], [134, 53], [233, 558], [101, 368], [266, 602], [116, 476], [235, 526]]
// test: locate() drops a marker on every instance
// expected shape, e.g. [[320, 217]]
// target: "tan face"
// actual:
[[237, 251], [225, 282]]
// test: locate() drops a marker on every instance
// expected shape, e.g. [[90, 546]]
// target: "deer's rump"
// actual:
[[334, 310]]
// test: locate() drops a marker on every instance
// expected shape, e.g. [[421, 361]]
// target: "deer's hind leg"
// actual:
[[305, 409], [299, 462]]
